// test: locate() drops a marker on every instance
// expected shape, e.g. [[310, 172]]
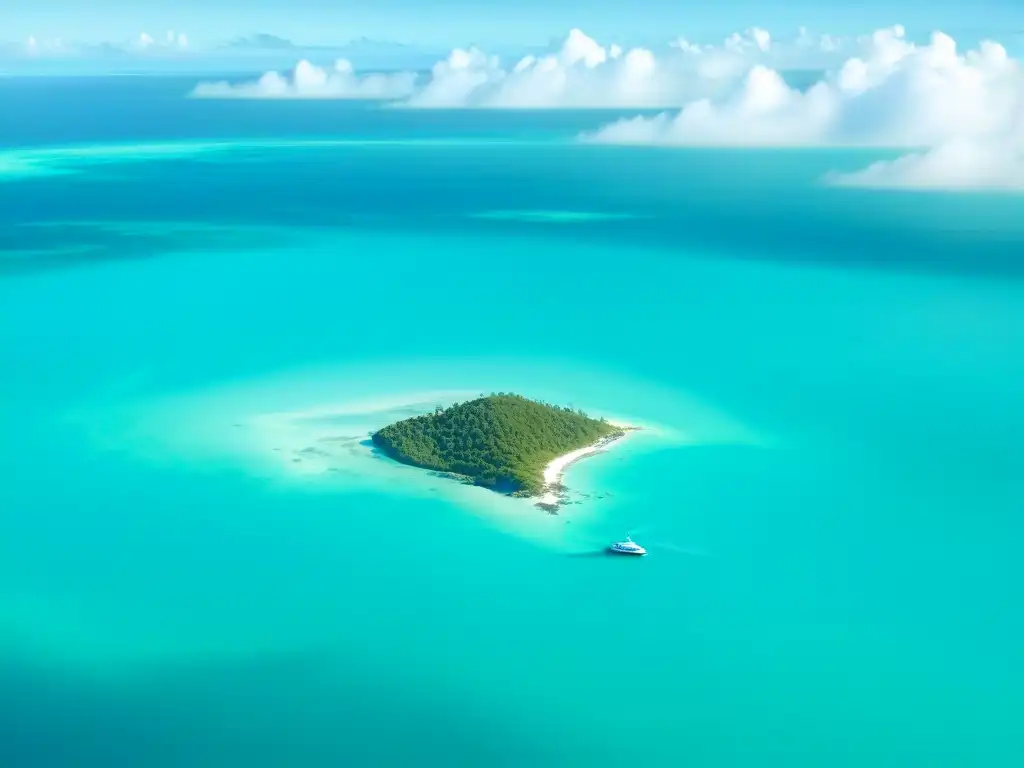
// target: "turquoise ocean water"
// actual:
[[204, 306]]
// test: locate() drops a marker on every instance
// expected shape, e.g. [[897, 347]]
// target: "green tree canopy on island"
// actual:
[[502, 441]]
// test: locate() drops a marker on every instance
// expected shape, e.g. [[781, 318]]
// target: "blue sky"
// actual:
[[455, 22]]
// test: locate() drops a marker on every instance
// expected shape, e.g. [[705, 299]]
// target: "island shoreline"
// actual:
[[554, 492]]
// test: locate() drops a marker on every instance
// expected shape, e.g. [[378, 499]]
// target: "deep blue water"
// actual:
[[830, 488]]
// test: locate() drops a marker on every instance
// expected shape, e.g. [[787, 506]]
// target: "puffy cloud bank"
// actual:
[[579, 73], [962, 164], [963, 112], [307, 81]]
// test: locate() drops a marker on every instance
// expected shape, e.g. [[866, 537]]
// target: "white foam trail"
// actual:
[[677, 549], [668, 546]]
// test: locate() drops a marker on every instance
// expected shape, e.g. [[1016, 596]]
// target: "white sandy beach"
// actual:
[[555, 469]]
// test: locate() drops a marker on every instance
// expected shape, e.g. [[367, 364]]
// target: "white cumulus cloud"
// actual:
[[454, 80], [308, 81], [963, 112], [826, 43], [169, 42], [33, 46], [754, 37], [765, 111], [960, 164], [582, 73]]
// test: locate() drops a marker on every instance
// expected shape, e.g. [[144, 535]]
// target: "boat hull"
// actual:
[[627, 552]]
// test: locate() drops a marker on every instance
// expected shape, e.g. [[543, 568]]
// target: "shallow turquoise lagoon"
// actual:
[[828, 480]]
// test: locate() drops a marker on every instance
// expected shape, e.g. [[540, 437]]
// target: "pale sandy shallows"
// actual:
[[555, 469]]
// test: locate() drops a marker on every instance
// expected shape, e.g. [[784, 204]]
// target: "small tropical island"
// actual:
[[504, 442]]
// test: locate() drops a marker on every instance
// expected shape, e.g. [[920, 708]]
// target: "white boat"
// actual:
[[627, 547]]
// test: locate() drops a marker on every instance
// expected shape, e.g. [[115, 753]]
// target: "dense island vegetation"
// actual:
[[502, 442]]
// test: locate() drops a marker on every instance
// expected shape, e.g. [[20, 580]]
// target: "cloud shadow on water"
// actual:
[[760, 206]]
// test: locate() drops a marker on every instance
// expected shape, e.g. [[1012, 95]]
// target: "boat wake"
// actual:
[[664, 546], [655, 544]]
